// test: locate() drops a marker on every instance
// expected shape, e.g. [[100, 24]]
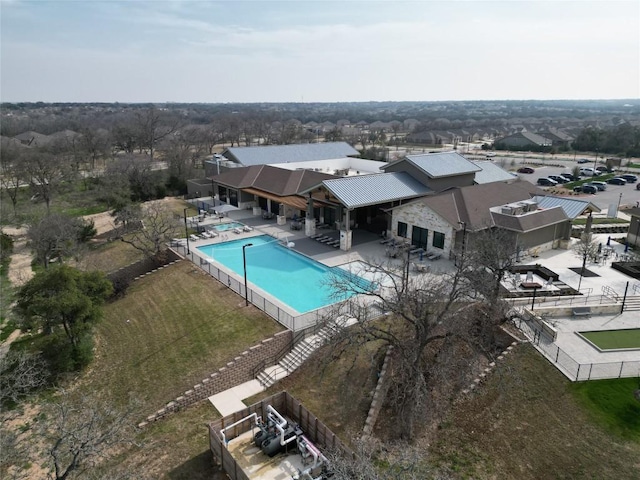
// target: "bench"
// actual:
[[581, 311]]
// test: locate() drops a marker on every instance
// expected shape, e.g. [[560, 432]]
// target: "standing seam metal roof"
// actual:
[[373, 189], [444, 164], [572, 207], [266, 155], [490, 172]]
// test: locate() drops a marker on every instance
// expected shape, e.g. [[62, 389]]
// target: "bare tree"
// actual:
[[153, 126], [157, 226], [45, 172], [58, 236], [486, 256], [20, 373], [81, 432], [423, 326], [12, 170]]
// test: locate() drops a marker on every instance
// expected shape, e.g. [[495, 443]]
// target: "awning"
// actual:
[[290, 200], [224, 208]]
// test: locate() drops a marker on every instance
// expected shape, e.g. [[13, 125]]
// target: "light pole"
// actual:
[[595, 162], [408, 263], [186, 230], [464, 239], [244, 265]]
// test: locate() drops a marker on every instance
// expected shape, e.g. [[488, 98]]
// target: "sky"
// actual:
[[318, 51]]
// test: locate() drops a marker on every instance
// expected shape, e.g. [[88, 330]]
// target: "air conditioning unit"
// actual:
[[507, 210]]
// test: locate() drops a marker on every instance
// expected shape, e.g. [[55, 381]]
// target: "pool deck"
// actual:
[[367, 248]]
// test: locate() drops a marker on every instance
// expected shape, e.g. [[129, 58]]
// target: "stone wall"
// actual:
[[379, 395], [235, 372], [418, 215]]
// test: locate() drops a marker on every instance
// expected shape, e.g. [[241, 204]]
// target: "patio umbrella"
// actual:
[[626, 247], [608, 241], [421, 256]]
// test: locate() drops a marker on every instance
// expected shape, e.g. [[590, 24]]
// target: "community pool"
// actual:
[[225, 227], [294, 279]]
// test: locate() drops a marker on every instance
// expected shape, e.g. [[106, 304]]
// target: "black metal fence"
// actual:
[[574, 370]]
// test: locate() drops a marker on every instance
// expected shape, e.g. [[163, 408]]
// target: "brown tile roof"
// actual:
[[277, 181], [471, 204], [530, 221]]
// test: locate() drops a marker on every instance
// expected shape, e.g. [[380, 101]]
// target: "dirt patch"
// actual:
[[20, 266]]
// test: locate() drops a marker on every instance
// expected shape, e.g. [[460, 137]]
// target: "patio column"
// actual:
[[310, 222], [346, 234]]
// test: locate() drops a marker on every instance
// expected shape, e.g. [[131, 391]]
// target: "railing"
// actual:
[[294, 323], [566, 364], [609, 292], [275, 358]]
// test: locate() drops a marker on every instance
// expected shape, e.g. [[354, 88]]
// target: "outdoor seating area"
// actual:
[[332, 242]]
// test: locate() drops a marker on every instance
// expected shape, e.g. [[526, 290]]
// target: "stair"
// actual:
[[299, 354]]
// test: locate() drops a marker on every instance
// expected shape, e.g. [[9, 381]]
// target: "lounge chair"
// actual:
[[194, 238], [334, 243], [237, 230], [326, 240], [322, 238], [316, 235], [205, 235], [434, 256], [247, 228]]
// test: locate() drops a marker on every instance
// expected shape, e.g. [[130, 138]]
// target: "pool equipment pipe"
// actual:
[[280, 424], [256, 420]]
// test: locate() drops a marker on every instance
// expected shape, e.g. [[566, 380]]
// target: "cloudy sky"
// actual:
[[318, 51]]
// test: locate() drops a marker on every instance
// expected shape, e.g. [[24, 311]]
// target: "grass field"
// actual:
[[612, 404], [613, 339], [172, 329]]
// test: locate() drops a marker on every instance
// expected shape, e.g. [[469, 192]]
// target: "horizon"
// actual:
[[318, 52]]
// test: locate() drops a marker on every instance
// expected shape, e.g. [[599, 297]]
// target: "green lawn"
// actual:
[[613, 339], [612, 404], [172, 329]]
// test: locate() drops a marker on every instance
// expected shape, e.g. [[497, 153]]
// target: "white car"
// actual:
[[589, 172]]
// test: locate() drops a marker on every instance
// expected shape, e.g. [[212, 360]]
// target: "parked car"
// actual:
[[599, 185], [629, 178], [586, 188], [559, 178], [547, 182], [603, 169], [526, 170], [570, 177], [589, 172], [617, 181], [584, 160]]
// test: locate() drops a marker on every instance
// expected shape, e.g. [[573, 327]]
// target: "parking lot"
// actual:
[[614, 194]]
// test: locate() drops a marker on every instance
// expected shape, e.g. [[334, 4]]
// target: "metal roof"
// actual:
[[572, 207], [443, 164], [266, 155], [490, 173], [354, 192]]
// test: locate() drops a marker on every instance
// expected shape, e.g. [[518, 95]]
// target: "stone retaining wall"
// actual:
[[235, 372], [379, 395]]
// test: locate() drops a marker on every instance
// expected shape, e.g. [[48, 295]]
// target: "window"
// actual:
[[419, 237], [402, 229], [438, 240]]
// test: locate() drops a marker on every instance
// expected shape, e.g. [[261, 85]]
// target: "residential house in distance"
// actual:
[[558, 138], [522, 141]]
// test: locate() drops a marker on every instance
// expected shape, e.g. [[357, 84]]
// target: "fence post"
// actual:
[[621, 365], [578, 372], [557, 353], [590, 368]]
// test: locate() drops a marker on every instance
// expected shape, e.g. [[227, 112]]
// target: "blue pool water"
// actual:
[[294, 279], [227, 226]]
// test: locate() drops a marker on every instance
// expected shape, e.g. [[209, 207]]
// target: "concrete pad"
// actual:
[[230, 401]]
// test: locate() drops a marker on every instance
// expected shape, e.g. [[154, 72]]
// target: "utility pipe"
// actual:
[[256, 417]]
